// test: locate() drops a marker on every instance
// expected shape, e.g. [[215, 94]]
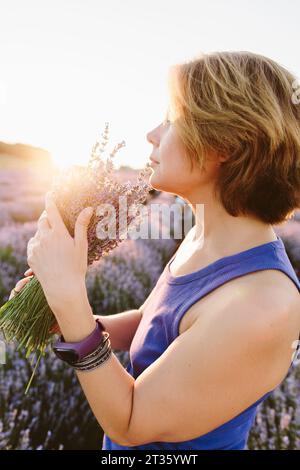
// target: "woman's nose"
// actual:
[[152, 137], [149, 137]]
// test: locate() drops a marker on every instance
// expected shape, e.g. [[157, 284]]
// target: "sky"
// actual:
[[69, 66]]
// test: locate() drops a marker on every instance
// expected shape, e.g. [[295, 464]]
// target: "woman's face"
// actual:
[[172, 172]]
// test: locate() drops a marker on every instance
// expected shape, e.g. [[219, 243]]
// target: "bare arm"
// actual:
[[121, 327]]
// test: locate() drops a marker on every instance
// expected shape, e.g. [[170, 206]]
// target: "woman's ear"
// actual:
[[223, 158]]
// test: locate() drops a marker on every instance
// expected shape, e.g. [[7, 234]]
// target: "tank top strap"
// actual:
[[268, 256]]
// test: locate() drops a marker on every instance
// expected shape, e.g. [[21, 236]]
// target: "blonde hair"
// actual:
[[239, 105]]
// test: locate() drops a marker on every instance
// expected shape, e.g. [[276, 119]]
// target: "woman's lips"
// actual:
[[153, 162]]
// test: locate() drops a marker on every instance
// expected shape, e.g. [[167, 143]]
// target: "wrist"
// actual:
[[73, 297], [75, 318], [78, 327]]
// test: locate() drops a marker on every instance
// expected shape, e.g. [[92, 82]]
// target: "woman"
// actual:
[[217, 334]]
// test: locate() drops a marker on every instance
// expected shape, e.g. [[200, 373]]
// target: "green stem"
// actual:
[[33, 372]]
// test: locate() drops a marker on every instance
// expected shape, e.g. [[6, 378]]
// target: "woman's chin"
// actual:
[[154, 181], [158, 183]]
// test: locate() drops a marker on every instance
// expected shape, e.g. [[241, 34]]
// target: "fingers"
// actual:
[[19, 286], [43, 223], [32, 241], [28, 272], [53, 213], [81, 227]]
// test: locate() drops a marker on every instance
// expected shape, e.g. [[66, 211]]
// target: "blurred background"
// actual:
[[66, 68]]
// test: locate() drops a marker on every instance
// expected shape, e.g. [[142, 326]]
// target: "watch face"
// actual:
[[68, 355]]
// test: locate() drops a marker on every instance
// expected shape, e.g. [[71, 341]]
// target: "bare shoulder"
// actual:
[[269, 290], [281, 297], [275, 291], [272, 299], [263, 307]]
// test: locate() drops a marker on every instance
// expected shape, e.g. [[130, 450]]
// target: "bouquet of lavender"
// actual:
[[27, 317]]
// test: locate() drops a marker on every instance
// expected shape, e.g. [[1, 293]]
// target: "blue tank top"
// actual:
[[159, 326]]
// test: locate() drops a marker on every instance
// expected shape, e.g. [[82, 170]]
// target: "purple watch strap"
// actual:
[[87, 345]]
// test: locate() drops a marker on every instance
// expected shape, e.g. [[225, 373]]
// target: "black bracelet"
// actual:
[[98, 354], [96, 363]]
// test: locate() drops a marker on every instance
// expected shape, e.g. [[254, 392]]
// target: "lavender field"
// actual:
[[55, 413]]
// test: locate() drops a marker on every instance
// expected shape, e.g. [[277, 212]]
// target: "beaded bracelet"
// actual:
[[96, 363]]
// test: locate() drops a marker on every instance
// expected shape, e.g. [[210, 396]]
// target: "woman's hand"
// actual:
[[58, 260], [21, 283], [19, 286]]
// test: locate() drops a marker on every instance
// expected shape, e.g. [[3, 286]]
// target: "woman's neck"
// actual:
[[216, 231]]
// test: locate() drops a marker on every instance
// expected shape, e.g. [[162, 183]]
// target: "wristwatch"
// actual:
[[73, 352]]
